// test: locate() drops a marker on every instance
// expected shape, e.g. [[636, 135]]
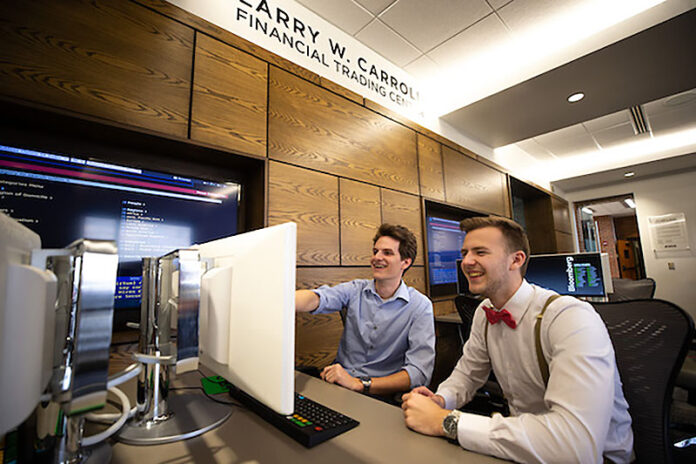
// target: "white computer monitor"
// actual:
[[247, 313], [27, 305]]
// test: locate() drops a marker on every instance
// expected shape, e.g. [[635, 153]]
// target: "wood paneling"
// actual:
[[471, 184], [415, 277], [561, 215], [539, 222], [312, 127], [311, 200], [444, 307], [185, 17], [113, 60], [564, 242], [335, 88], [360, 218], [404, 209], [430, 168], [229, 97]]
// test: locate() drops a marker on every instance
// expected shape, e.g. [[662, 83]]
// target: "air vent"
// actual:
[[638, 120]]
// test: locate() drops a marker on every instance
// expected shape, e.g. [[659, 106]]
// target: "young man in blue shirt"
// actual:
[[388, 342]]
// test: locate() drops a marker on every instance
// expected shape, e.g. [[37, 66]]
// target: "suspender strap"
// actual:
[[543, 365]]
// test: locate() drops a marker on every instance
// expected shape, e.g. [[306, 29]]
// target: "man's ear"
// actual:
[[405, 263], [518, 259]]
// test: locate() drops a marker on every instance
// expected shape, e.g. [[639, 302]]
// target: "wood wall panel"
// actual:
[[539, 221], [564, 242], [444, 307], [404, 209], [309, 199], [229, 97], [113, 60], [469, 183], [415, 277], [430, 168], [360, 218], [561, 215], [335, 88], [312, 127]]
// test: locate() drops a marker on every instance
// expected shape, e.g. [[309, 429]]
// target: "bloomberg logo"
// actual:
[[570, 273]]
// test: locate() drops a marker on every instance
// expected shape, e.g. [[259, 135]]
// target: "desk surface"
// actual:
[[381, 436], [450, 317]]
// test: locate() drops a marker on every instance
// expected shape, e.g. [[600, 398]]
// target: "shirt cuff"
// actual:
[[450, 398], [322, 302], [473, 433]]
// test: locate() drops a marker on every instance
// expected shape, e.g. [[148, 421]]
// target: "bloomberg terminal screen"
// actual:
[[577, 274], [148, 213], [444, 248]]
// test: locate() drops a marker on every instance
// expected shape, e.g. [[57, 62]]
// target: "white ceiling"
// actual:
[[431, 39]]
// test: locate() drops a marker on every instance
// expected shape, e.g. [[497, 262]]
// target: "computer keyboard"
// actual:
[[311, 424]]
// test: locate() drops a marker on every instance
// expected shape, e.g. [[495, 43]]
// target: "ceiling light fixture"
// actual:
[[587, 210], [576, 97], [629, 174], [630, 203]]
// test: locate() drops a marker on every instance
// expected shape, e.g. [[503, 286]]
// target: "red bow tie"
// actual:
[[504, 315]]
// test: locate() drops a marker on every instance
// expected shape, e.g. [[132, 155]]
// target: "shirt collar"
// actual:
[[401, 292], [519, 302]]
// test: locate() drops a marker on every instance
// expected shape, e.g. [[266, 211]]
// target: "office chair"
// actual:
[[650, 339], [627, 289], [489, 398]]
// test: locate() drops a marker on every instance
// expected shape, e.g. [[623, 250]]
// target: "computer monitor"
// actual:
[[63, 197], [576, 274], [247, 313], [444, 248]]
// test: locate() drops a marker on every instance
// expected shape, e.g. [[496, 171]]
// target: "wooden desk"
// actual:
[[381, 437]]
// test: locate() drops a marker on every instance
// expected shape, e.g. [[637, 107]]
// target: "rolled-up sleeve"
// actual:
[[334, 298], [419, 361]]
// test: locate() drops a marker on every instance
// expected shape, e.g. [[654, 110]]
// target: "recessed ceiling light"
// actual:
[[629, 174], [587, 210], [576, 97], [630, 203]]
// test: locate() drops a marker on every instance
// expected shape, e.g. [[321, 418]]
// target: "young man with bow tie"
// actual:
[[551, 355]]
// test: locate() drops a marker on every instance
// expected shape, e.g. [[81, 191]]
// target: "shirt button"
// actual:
[[375, 327]]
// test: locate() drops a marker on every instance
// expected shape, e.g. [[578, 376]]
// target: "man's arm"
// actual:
[[306, 301], [393, 383]]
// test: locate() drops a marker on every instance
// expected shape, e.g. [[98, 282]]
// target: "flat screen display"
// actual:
[[444, 248], [577, 274], [148, 213]]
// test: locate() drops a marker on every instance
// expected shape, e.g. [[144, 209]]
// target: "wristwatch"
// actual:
[[449, 424], [367, 383]]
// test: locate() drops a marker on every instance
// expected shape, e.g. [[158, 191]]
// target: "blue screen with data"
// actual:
[[148, 213]]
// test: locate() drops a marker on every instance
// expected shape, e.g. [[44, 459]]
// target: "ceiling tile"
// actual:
[[422, 68], [567, 141], [498, 3], [614, 135], [610, 120], [678, 119], [485, 33], [672, 103], [387, 43], [523, 15], [428, 24], [375, 6], [533, 147], [344, 14]]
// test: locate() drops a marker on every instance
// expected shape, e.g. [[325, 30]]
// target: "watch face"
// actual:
[[450, 425]]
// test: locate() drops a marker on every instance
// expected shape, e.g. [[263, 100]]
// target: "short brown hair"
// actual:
[[408, 245], [515, 236]]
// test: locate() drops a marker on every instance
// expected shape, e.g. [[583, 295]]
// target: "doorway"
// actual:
[[609, 225]]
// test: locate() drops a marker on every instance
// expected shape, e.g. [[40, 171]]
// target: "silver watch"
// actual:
[[449, 424], [367, 383]]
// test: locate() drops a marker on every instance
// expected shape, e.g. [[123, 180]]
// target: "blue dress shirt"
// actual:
[[382, 337]]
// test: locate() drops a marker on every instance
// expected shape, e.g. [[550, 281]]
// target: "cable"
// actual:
[[116, 426], [124, 376]]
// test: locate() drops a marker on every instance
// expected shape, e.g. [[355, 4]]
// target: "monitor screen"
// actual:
[[148, 213], [444, 248], [577, 274]]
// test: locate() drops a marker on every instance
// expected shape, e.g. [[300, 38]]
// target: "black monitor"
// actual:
[[576, 274], [63, 197], [444, 248]]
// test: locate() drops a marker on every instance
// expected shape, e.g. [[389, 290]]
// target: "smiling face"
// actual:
[[490, 267], [386, 261]]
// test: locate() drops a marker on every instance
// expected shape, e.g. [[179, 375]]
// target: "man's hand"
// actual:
[[439, 400], [422, 413], [335, 373]]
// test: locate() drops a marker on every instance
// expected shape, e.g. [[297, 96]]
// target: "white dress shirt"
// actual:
[[580, 416]]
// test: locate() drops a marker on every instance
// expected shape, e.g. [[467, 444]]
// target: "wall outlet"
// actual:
[[670, 266]]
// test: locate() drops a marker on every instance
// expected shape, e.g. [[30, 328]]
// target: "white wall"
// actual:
[[674, 193]]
